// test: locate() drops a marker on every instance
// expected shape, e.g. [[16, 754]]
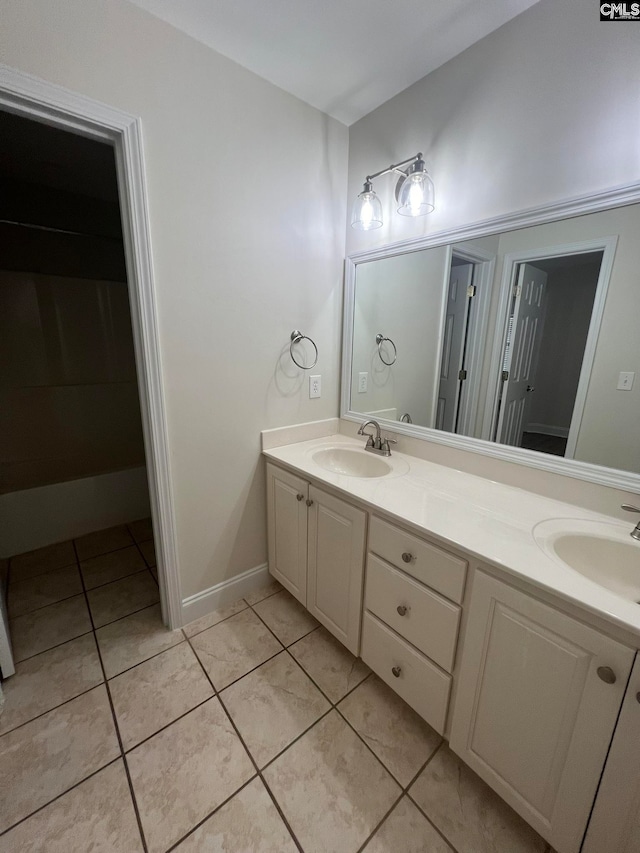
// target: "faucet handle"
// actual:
[[630, 508]]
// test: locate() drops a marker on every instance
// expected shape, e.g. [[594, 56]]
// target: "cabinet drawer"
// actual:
[[427, 563], [425, 618], [419, 682]]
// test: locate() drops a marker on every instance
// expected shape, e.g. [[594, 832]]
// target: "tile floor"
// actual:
[[250, 731]]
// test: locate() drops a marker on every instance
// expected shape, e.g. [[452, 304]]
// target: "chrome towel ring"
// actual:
[[380, 339], [296, 338]]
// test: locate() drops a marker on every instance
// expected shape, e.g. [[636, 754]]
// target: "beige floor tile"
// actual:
[[264, 592], [334, 669], [141, 530], [120, 598], [157, 692], [42, 590], [211, 619], [35, 632], [112, 566], [47, 756], [286, 617], [398, 736], [406, 830], [280, 692], [467, 812], [185, 771], [97, 815], [232, 648], [135, 638], [24, 566], [331, 789], [248, 823], [49, 679], [149, 553], [103, 541]]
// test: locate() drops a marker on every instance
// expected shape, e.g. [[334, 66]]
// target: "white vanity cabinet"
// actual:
[[538, 694], [316, 551], [615, 821], [412, 616]]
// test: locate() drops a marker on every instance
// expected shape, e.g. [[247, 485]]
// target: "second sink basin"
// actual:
[[601, 551], [353, 462]]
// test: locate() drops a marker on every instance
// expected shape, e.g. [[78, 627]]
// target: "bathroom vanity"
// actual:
[[448, 586]]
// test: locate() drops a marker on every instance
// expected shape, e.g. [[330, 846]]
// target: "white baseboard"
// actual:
[[205, 602], [33, 518]]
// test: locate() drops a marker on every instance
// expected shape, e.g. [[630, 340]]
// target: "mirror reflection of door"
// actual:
[[549, 322], [454, 339]]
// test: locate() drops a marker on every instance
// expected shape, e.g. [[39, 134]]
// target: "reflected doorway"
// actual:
[[549, 324]]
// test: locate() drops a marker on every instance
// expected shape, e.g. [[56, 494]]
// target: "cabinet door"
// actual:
[[336, 566], [532, 716], [615, 821], [287, 530]]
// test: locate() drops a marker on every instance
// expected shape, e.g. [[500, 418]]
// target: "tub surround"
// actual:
[[488, 520]]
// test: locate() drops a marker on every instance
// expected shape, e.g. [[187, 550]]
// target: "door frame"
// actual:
[[36, 99], [484, 270], [512, 260]]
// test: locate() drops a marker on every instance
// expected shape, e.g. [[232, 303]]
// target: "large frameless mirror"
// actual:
[[525, 338]]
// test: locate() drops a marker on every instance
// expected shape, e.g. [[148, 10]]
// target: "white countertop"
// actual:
[[490, 520]]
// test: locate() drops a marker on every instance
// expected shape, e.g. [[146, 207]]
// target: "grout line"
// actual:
[[215, 624], [124, 616], [269, 628], [251, 758], [62, 794], [380, 823], [43, 606], [422, 811], [145, 660], [168, 725], [115, 580], [56, 646], [115, 721], [100, 553], [11, 580]]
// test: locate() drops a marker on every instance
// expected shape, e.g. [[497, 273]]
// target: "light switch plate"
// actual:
[[363, 379], [625, 381]]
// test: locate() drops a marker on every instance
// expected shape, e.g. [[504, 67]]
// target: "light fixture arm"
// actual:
[[395, 167]]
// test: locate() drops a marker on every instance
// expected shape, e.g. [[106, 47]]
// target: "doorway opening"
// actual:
[[551, 324]]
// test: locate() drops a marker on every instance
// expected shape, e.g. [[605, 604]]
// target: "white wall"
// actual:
[[540, 110], [246, 189]]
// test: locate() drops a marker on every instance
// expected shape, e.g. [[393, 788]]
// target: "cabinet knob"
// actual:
[[300, 497], [396, 670], [309, 502], [606, 674], [402, 610], [407, 557]]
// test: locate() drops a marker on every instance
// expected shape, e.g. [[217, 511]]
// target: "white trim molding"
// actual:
[[615, 197], [36, 99], [205, 602]]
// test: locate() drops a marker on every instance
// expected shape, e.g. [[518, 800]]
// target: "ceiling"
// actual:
[[345, 57]]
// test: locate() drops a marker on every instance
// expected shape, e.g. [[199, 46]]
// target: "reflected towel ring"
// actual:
[[380, 339], [296, 338]]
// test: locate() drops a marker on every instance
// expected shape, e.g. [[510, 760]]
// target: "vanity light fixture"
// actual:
[[414, 194]]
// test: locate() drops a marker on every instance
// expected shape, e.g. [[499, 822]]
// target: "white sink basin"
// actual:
[[353, 462], [601, 551]]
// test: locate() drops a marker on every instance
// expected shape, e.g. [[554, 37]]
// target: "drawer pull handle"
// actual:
[[606, 674], [300, 497], [396, 670], [309, 502], [402, 610], [407, 557]]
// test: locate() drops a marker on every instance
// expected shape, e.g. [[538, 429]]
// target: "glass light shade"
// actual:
[[367, 211], [417, 194]]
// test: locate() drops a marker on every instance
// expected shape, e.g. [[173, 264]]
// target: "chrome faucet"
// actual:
[[635, 533], [377, 444]]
